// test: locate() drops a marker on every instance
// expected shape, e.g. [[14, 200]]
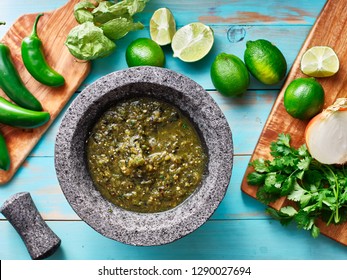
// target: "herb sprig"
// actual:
[[319, 191]]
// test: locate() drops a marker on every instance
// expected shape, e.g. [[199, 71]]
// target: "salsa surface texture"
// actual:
[[145, 156]]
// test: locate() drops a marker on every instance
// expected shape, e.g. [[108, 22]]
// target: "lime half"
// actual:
[[320, 61], [192, 42], [162, 26]]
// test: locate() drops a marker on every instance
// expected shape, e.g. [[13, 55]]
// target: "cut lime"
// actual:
[[162, 26], [319, 61], [192, 42]]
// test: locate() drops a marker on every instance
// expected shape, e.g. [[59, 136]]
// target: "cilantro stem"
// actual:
[[336, 190]]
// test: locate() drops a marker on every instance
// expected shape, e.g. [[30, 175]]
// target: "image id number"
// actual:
[[224, 270]]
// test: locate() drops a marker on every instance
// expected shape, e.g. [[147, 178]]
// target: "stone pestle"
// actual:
[[21, 212]]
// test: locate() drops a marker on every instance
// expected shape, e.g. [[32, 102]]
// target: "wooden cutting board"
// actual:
[[330, 29], [52, 29]]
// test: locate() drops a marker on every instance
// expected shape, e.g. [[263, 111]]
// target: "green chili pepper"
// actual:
[[4, 156], [35, 61], [14, 115], [12, 84]]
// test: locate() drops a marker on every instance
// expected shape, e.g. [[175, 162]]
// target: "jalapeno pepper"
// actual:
[[4, 155], [13, 115], [12, 84], [35, 61]]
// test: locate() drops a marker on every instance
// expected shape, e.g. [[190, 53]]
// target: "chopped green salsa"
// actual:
[[145, 156]]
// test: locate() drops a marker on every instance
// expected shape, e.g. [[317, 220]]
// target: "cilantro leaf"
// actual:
[[255, 178], [284, 217], [283, 139], [288, 186], [278, 149], [343, 197], [313, 177], [304, 220], [266, 197], [302, 151], [273, 182], [300, 174], [304, 163], [305, 199], [260, 165], [297, 193], [315, 231], [289, 210]]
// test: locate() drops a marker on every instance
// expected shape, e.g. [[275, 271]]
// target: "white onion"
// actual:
[[326, 134]]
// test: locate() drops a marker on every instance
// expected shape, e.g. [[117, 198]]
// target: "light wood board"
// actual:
[[52, 29]]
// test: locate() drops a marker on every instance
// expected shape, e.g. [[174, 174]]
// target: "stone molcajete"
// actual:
[[144, 229]]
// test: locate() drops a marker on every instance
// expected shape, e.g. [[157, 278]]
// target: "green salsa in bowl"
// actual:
[[144, 156]]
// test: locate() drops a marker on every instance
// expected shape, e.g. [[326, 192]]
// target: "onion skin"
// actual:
[[326, 134]]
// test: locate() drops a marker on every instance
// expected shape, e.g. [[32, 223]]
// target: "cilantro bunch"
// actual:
[[316, 190], [100, 24]]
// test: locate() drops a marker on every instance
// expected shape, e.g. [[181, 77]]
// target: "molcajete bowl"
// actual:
[[143, 229]]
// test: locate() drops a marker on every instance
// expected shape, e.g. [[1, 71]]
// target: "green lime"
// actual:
[[229, 75], [162, 26], [144, 51], [192, 42], [265, 61], [304, 98], [319, 61]]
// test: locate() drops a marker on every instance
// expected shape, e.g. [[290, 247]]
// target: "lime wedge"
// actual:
[[192, 42], [320, 61], [162, 26]]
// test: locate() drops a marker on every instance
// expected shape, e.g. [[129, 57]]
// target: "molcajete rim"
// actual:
[[139, 228]]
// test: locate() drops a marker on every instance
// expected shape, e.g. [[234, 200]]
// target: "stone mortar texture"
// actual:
[[140, 228], [22, 213]]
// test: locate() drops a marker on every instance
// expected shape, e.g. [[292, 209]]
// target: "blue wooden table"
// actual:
[[239, 229]]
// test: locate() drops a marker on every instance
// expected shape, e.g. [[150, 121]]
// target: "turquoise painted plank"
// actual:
[[216, 240], [225, 12], [38, 177], [246, 116], [237, 205], [284, 12]]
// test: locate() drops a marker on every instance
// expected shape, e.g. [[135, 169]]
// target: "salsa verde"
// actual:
[[145, 156]]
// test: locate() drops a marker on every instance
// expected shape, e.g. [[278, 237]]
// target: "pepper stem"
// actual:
[[34, 31], [2, 23]]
